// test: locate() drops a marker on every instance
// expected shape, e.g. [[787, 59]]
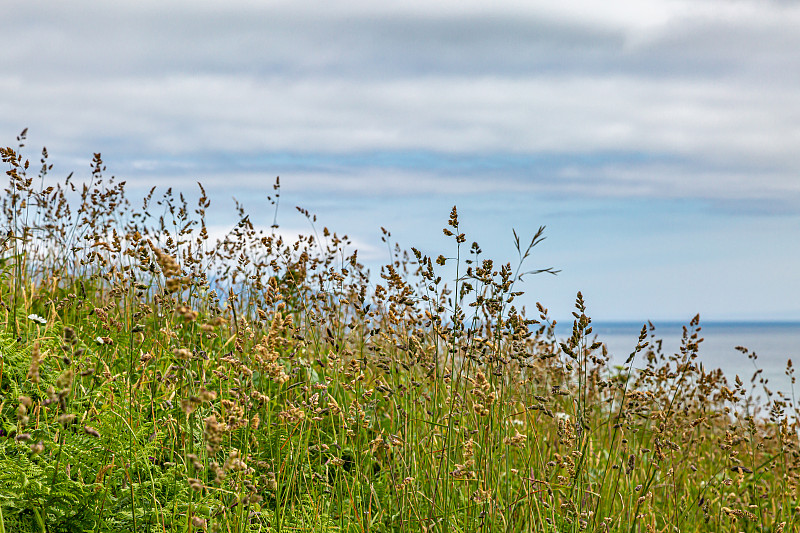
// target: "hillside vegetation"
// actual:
[[153, 379]]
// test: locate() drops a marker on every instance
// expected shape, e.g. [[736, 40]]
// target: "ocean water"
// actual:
[[773, 342]]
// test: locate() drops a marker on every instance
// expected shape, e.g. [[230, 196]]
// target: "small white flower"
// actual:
[[37, 318], [100, 340]]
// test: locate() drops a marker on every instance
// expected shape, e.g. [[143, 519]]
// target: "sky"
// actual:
[[657, 140]]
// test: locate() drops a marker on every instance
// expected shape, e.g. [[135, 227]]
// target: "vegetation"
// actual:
[[152, 380]]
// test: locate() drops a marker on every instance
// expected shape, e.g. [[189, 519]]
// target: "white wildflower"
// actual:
[[37, 318]]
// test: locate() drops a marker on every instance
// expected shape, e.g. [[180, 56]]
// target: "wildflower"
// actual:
[[38, 319]]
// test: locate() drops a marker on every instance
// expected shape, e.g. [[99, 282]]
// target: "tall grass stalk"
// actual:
[[156, 379]]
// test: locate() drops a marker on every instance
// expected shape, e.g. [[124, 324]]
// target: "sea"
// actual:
[[773, 342]]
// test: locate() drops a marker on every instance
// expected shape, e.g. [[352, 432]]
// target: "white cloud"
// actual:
[[366, 251]]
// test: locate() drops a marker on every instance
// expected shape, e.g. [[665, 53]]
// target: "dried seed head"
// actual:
[[22, 415], [272, 482], [66, 419], [214, 432], [517, 441], [481, 496], [182, 353], [292, 415], [36, 360], [206, 395], [169, 266], [234, 462], [631, 464], [187, 313], [173, 284], [64, 381], [219, 472], [190, 404], [196, 463]]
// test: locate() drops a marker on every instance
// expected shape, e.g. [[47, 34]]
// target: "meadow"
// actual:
[[153, 379]]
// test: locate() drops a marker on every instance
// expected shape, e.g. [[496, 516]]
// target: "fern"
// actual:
[[16, 359]]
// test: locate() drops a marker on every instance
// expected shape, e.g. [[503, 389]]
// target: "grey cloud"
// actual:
[[714, 88], [108, 41], [122, 40], [561, 178]]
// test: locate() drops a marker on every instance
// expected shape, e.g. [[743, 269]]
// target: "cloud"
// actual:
[[368, 39], [315, 179], [366, 251], [632, 98], [575, 114]]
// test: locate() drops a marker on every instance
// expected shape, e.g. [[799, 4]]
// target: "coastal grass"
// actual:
[[153, 379]]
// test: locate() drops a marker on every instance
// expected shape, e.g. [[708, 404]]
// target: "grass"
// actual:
[[154, 380]]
